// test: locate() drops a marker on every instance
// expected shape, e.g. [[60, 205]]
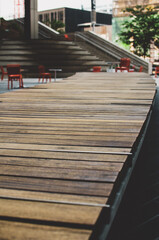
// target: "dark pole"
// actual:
[[93, 4], [27, 25], [93, 13]]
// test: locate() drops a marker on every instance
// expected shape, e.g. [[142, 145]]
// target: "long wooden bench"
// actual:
[[65, 150]]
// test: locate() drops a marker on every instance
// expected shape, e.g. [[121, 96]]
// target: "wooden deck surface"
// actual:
[[62, 147]]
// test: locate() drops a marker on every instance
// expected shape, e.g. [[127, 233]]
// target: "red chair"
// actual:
[[132, 69], [156, 71], [96, 69], [14, 73], [124, 65], [43, 74], [141, 69], [3, 73]]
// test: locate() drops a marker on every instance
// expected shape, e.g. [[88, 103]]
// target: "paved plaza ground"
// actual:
[[28, 82]]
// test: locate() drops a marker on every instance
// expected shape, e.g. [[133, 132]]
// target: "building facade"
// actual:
[[73, 17]]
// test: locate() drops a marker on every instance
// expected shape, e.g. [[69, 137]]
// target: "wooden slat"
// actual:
[[12, 193], [17, 230], [60, 173], [52, 163], [76, 187], [49, 212]]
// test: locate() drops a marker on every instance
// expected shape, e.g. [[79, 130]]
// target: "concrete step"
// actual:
[[6, 52], [68, 56], [53, 57], [37, 41], [48, 62], [36, 47]]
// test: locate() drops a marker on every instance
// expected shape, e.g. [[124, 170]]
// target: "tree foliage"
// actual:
[[141, 29], [56, 25]]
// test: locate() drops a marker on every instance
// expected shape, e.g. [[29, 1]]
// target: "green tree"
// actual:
[[141, 28], [57, 25]]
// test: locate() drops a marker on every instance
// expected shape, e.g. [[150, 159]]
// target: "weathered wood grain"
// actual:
[[20, 230], [58, 197], [49, 212]]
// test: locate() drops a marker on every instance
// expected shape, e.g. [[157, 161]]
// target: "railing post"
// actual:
[[150, 68]]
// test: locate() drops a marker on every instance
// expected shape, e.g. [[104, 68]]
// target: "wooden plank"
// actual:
[[17, 230], [107, 137], [109, 142], [49, 212], [60, 173], [75, 149], [73, 126], [64, 132], [83, 188], [76, 156], [13, 193], [88, 165]]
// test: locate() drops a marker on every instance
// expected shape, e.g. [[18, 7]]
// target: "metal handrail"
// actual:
[[112, 49]]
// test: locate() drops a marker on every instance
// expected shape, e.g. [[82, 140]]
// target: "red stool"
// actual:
[[141, 69], [3, 73], [96, 69], [124, 65], [67, 37], [43, 74], [14, 73], [156, 71]]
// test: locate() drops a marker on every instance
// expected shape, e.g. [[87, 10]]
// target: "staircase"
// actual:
[[52, 53], [107, 50], [84, 51]]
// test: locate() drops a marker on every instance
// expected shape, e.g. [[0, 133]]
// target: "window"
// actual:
[[46, 17], [40, 17], [52, 16], [60, 16]]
